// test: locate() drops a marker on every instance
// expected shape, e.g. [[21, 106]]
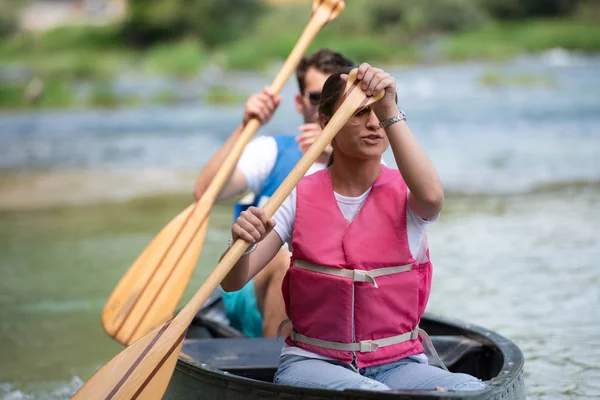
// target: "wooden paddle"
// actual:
[[149, 292], [143, 369]]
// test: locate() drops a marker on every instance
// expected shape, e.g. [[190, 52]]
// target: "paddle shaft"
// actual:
[[355, 98], [318, 20], [143, 369], [320, 16], [134, 307]]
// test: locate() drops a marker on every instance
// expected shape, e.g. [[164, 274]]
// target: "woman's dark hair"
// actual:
[[333, 90]]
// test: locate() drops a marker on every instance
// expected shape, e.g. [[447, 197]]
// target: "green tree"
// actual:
[[518, 9], [10, 10], [422, 16], [213, 21]]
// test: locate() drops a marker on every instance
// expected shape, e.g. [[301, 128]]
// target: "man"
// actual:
[[258, 308]]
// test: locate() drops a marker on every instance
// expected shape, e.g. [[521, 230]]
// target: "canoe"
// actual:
[[218, 362]]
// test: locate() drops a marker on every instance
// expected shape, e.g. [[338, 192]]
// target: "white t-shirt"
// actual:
[[257, 162], [417, 241], [415, 225]]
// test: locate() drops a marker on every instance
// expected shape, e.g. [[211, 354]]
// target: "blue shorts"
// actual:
[[242, 310]]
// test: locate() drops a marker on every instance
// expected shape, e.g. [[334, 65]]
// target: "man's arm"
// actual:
[[261, 106], [237, 181]]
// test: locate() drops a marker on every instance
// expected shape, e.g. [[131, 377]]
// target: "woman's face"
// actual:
[[361, 137]]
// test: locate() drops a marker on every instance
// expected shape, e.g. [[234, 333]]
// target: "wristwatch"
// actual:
[[393, 120]]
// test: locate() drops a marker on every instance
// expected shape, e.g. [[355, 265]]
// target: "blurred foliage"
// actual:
[[220, 94], [164, 97], [73, 52], [518, 9], [103, 95], [425, 16], [182, 59], [54, 94], [12, 96], [497, 79], [352, 33], [400, 31], [177, 38], [501, 41], [212, 21], [588, 10], [9, 15]]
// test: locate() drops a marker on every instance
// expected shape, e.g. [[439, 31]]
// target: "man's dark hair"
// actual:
[[324, 60]]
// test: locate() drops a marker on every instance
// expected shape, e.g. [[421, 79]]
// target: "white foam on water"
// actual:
[[526, 267], [559, 57], [55, 390]]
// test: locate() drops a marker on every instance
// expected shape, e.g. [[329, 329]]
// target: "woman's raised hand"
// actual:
[[374, 80], [252, 225]]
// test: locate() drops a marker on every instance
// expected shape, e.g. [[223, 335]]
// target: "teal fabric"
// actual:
[[242, 310]]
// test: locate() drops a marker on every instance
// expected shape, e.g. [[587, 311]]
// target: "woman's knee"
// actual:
[[453, 381], [466, 382]]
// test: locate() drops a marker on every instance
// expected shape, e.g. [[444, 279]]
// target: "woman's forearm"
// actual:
[[417, 170], [248, 266], [238, 276]]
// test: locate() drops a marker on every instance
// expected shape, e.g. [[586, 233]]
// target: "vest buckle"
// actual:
[[360, 276], [363, 276], [367, 346]]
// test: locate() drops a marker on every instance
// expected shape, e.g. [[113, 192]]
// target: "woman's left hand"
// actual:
[[374, 80]]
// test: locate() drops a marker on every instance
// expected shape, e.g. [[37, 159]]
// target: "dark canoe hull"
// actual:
[[220, 364]]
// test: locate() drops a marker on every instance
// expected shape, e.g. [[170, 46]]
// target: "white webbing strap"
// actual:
[[364, 346], [367, 346], [357, 275], [281, 325], [429, 345]]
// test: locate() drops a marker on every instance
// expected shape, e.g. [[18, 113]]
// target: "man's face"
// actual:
[[307, 103]]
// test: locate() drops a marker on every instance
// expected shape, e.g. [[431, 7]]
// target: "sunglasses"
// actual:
[[313, 97]]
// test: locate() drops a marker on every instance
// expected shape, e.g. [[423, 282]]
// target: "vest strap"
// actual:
[[357, 275], [364, 346], [367, 346], [432, 350], [281, 325]]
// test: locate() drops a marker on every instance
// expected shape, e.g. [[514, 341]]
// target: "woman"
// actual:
[[360, 274]]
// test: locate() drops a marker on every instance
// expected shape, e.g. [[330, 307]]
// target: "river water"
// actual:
[[83, 192]]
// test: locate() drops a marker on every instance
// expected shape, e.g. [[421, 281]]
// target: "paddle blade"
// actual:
[[144, 368], [149, 292], [159, 384]]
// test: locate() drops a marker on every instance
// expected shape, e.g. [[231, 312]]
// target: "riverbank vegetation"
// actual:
[[78, 65]]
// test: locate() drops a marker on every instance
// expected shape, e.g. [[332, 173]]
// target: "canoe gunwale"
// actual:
[[507, 383]]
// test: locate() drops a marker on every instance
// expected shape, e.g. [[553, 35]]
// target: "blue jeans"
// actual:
[[405, 374]]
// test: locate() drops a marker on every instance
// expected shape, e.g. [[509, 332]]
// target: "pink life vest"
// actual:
[[353, 291]]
